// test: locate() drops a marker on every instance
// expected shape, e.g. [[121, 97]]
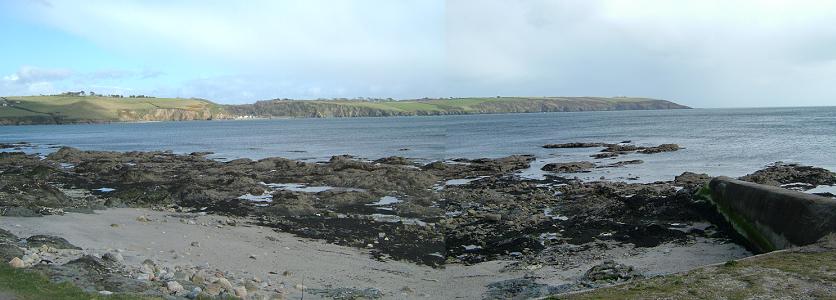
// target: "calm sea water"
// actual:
[[717, 141]]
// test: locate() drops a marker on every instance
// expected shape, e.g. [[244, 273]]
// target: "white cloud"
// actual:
[[703, 53], [30, 74]]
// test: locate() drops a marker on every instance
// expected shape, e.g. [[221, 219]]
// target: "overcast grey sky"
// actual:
[[700, 53]]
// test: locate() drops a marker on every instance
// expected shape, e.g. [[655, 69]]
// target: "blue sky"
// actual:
[[701, 53]]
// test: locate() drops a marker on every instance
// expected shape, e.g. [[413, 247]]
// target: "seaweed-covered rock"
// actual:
[[660, 148], [51, 241], [780, 173], [570, 167], [573, 145]]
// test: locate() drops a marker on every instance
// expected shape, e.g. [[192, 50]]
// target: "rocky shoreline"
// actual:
[[441, 215]]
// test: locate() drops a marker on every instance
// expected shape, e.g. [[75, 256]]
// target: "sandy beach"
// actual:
[[254, 251]]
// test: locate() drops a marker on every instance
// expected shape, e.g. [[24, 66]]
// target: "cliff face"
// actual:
[[319, 109], [169, 114]]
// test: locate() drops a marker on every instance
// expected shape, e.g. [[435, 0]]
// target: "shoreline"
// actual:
[[468, 222], [167, 241]]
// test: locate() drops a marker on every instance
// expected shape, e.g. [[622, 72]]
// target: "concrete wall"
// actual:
[[771, 217]]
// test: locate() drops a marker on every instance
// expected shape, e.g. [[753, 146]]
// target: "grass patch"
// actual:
[[26, 285], [782, 274]]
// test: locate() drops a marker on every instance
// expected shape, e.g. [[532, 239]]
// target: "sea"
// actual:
[[730, 142]]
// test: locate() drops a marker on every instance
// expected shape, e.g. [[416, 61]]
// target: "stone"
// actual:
[[16, 263], [105, 293], [213, 289], [195, 244], [194, 293], [493, 217], [240, 292], [224, 283], [251, 286], [174, 287], [146, 268], [114, 257], [198, 278]]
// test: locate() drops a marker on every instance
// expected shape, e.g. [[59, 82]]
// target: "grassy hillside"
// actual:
[[98, 109], [95, 109], [350, 108]]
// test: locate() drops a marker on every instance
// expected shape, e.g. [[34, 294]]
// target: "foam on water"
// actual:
[[386, 200], [266, 197], [301, 187]]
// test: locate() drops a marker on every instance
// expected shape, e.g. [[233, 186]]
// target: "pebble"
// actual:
[[143, 218], [16, 263], [252, 256], [105, 293], [195, 244]]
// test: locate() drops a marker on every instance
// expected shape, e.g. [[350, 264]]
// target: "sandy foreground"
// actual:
[[249, 250]]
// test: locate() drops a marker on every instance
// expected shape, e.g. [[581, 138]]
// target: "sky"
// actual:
[[702, 53]]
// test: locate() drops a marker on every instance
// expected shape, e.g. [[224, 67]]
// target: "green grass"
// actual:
[[26, 285], [98, 108], [784, 274], [467, 104]]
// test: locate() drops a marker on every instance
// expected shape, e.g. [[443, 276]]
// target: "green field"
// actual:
[[473, 104], [442, 106], [80, 109]]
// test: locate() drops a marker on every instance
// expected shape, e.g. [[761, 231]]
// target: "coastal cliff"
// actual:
[[72, 109], [455, 106]]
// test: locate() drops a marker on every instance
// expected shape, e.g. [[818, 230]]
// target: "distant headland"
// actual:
[[80, 107]]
